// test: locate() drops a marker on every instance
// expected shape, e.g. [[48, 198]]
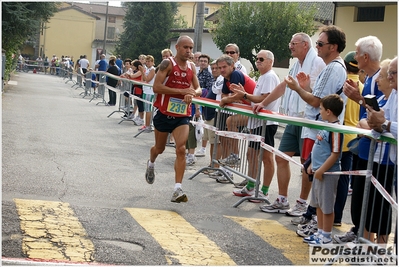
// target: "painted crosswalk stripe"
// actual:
[[52, 231], [179, 238], [279, 237]]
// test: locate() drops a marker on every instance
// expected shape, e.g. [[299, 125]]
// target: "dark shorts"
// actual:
[[291, 140], [269, 136], [164, 123]]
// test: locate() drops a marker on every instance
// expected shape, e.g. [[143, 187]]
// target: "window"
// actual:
[[111, 19], [111, 33], [206, 11], [370, 13]]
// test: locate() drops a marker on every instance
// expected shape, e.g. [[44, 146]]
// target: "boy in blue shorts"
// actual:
[[325, 156]]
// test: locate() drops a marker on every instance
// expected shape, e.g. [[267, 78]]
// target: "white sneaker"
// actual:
[[138, 121], [190, 160], [297, 210], [200, 152]]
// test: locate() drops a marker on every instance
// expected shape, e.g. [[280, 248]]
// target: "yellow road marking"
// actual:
[[180, 240], [279, 237], [52, 231]]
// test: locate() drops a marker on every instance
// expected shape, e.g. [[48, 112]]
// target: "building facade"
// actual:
[[359, 19]]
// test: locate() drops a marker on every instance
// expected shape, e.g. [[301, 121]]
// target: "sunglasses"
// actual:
[[261, 59], [321, 44], [230, 52]]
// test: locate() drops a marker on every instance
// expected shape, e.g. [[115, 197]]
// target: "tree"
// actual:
[[262, 25], [21, 22], [144, 33]]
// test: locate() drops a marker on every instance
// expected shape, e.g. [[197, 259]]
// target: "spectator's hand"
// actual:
[[223, 102], [258, 107], [318, 175], [303, 80], [309, 169], [375, 118], [238, 91], [291, 83], [351, 90]]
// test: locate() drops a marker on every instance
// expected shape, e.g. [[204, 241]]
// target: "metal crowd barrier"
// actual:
[[241, 170], [124, 85]]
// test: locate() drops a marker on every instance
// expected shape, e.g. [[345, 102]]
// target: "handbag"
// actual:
[[353, 145], [199, 129]]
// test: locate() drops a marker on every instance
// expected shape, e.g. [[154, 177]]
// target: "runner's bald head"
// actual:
[[183, 38]]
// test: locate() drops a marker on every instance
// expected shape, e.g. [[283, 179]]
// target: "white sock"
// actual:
[[282, 199], [327, 234], [303, 201], [151, 164], [177, 185]]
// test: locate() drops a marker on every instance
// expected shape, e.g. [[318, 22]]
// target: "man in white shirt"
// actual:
[[293, 105], [234, 51], [84, 63], [267, 81]]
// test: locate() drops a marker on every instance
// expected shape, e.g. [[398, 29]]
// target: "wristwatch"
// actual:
[[361, 102], [384, 126], [245, 96]]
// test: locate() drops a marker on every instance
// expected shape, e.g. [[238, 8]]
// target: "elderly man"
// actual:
[[267, 81], [233, 51], [293, 105], [368, 55]]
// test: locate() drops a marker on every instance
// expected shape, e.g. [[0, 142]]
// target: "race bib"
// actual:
[[177, 106]]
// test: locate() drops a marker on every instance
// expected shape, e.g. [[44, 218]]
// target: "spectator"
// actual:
[[205, 79], [209, 113], [137, 91], [119, 63], [84, 64], [196, 61], [112, 82], [291, 143], [148, 92], [325, 158], [332, 41], [351, 118], [231, 76], [267, 81], [233, 51], [379, 211], [166, 53], [368, 55]]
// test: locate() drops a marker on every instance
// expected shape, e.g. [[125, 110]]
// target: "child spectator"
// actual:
[[325, 158]]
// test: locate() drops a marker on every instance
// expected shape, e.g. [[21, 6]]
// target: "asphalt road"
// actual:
[[60, 148]]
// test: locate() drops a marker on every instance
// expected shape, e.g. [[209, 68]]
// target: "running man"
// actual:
[[175, 84]]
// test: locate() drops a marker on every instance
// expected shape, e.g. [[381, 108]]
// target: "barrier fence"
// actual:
[[375, 182], [233, 136]]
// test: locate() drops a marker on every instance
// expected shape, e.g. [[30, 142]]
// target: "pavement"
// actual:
[[78, 155]]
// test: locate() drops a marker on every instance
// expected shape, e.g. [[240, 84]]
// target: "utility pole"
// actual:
[[199, 26], [105, 30]]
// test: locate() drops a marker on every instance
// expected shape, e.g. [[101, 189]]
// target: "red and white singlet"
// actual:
[[173, 105]]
